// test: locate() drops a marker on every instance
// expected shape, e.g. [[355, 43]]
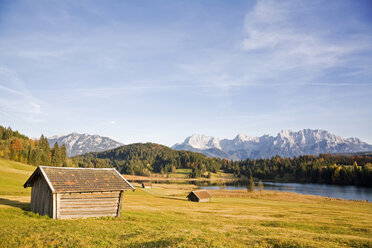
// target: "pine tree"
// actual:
[[63, 153], [56, 155], [250, 186], [44, 147]]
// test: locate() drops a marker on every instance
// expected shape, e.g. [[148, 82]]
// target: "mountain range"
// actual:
[[77, 144], [286, 143]]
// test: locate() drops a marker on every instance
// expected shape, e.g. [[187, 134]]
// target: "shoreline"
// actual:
[[222, 180], [178, 179]]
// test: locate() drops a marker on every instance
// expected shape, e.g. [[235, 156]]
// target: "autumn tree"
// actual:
[[16, 145]]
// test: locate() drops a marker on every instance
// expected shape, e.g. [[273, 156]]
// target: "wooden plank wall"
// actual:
[[84, 205], [41, 198]]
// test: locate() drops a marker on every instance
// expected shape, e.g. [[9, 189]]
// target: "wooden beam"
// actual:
[[120, 204], [86, 216], [90, 201], [88, 211], [58, 206], [94, 195], [54, 206], [88, 205]]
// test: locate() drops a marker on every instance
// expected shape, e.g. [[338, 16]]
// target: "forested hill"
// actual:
[[142, 159], [19, 147]]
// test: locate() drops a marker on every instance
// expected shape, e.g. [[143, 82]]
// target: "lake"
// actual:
[[335, 191]]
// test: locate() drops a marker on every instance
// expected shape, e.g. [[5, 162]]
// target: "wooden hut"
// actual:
[[146, 185], [199, 196], [65, 193]]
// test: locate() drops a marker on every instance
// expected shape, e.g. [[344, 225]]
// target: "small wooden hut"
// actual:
[[199, 196], [65, 193], [146, 185]]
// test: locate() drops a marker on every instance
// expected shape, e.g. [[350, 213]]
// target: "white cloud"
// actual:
[[272, 29]]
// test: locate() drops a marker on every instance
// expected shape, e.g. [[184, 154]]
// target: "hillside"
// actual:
[[77, 144], [142, 159], [19, 147], [286, 144], [162, 217], [12, 177]]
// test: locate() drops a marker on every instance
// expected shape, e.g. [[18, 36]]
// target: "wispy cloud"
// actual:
[[279, 30], [288, 43], [15, 100]]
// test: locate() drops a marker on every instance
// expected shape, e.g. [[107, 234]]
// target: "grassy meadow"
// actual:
[[182, 175], [162, 217]]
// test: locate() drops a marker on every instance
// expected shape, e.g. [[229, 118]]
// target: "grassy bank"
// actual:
[[166, 219]]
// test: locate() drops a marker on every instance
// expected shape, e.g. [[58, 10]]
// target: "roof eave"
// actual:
[[88, 191], [124, 179], [31, 178], [47, 179]]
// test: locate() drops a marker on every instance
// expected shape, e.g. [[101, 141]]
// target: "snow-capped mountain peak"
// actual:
[[201, 141], [77, 144], [242, 137], [287, 143]]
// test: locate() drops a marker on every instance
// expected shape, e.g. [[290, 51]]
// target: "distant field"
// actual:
[[183, 174], [162, 217]]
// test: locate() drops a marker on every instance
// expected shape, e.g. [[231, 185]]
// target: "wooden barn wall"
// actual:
[[192, 197], [84, 205], [41, 198]]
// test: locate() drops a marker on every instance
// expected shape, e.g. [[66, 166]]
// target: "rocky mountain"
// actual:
[[286, 144], [77, 144]]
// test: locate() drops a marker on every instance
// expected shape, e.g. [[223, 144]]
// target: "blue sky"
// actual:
[[159, 71]]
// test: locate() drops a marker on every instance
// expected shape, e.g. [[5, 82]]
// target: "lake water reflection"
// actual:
[[335, 191]]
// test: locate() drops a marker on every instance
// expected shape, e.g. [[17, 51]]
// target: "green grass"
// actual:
[[184, 171], [180, 173], [267, 219], [12, 176]]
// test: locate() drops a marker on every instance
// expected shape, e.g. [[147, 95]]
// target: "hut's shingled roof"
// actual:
[[201, 194], [64, 179]]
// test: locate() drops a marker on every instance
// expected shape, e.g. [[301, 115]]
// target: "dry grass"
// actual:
[[270, 195], [167, 219]]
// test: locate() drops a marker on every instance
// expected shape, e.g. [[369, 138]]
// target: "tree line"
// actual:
[[325, 168], [18, 147]]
